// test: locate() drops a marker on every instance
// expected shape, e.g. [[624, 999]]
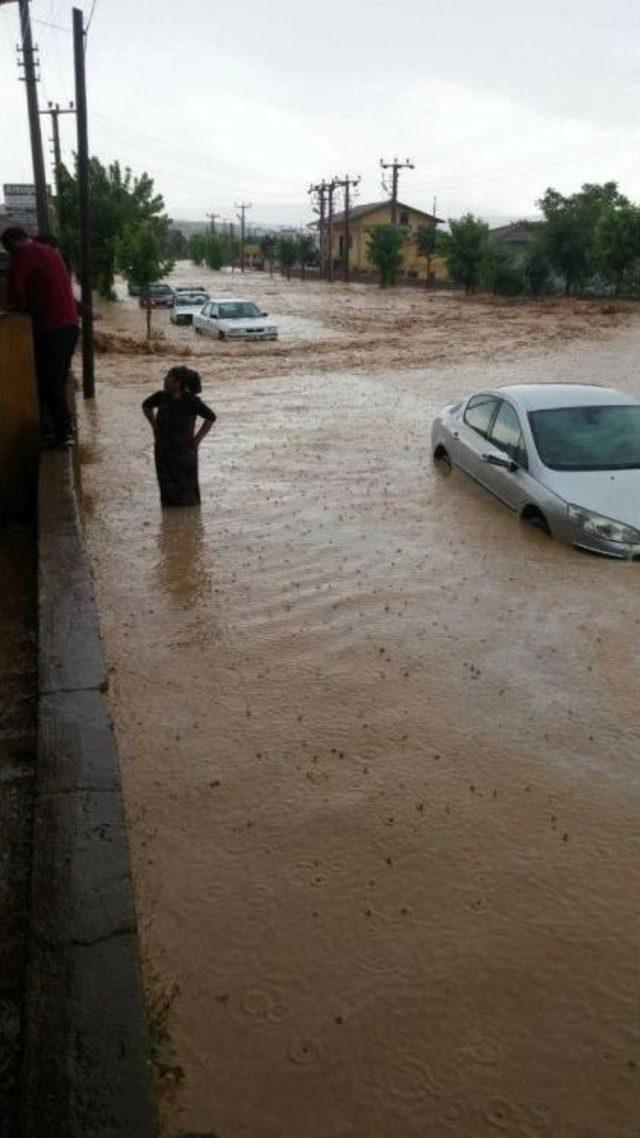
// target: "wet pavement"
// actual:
[[379, 746]]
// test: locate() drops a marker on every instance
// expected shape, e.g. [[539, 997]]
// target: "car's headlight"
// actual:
[[599, 526]]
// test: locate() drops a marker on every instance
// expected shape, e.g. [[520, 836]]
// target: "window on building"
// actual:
[[404, 218]]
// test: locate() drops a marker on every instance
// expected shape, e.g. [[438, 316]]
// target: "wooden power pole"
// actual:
[[331, 189], [54, 109], [395, 168], [242, 207], [320, 191], [212, 221], [30, 82], [347, 185], [88, 381]]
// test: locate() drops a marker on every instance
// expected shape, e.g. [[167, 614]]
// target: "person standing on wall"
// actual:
[[40, 285]]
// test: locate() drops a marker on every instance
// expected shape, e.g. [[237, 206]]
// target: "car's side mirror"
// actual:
[[264, 313], [504, 463]]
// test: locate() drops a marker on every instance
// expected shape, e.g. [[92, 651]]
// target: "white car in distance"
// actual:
[[234, 319], [186, 305]]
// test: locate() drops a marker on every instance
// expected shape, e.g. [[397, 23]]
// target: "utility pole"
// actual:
[[212, 221], [395, 167], [30, 81], [347, 184], [331, 189], [54, 109], [88, 385], [435, 204], [320, 190], [242, 207]]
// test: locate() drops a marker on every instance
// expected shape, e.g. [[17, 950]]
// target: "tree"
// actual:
[[570, 228], [384, 250], [139, 256], [119, 202], [464, 249], [426, 239], [269, 248], [287, 249], [176, 244], [617, 243], [306, 252], [499, 273], [536, 268], [197, 247]]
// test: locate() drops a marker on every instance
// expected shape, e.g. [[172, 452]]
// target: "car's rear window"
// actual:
[[588, 438]]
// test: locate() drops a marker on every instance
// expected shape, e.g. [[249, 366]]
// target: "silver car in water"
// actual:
[[564, 457]]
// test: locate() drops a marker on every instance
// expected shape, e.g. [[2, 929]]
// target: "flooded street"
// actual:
[[378, 740]]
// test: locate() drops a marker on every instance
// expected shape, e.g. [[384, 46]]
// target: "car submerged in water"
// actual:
[[234, 319], [564, 457], [186, 305]]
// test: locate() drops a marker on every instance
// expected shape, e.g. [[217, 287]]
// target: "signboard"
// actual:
[[20, 202]]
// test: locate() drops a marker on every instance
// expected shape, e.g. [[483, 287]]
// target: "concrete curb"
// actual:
[[87, 1072]]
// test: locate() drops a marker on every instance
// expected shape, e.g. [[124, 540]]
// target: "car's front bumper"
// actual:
[[618, 549], [251, 335]]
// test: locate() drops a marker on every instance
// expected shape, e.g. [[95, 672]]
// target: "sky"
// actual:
[[220, 103]]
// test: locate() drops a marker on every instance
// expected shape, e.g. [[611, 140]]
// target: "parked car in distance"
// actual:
[[564, 457], [186, 305], [160, 296], [234, 319], [132, 289]]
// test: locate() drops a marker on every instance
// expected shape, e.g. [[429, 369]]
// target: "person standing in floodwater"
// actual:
[[172, 413]]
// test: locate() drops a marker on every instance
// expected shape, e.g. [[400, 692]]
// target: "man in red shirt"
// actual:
[[39, 284]]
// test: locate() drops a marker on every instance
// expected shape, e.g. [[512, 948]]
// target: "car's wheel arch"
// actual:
[[532, 515]]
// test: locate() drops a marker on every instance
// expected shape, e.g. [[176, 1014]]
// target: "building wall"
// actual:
[[412, 263]]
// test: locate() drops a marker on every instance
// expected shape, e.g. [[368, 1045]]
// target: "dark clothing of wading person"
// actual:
[[172, 413], [40, 285]]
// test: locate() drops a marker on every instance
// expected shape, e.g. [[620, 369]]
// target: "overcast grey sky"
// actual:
[[493, 100]]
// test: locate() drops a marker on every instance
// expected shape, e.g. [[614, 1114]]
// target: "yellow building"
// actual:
[[365, 217]]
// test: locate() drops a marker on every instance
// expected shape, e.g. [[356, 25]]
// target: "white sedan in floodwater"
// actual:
[[232, 319], [563, 456]]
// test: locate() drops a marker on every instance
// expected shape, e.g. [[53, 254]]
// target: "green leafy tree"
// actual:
[[140, 257], [570, 229], [217, 250], [119, 201], [197, 248], [176, 244], [269, 249], [306, 253], [499, 273], [426, 240], [536, 268], [287, 250], [464, 249], [384, 250], [617, 244]]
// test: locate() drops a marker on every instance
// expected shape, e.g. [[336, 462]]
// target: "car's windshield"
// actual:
[[188, 300], [236, 309], [588, 438]]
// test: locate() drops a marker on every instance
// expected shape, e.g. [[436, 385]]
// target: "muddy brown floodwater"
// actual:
[[378, 741]]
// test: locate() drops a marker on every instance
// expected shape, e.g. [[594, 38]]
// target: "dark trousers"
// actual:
[[53, 353]]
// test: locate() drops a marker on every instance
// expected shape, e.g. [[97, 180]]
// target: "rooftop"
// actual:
[[358, 211]]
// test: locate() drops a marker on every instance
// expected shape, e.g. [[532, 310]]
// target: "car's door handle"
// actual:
[[455, 434]]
